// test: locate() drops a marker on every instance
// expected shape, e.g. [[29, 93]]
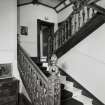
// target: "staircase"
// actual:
[[35, 75], [70, 95], [79, 24]]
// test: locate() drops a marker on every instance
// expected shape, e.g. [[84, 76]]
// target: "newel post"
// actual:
[[54, 82]]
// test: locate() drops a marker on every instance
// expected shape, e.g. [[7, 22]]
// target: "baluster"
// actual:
[[58, 39], [88, 13], [93, 12], [48, 45], [72, 25], [41, 91], [63, 34], [79, 19], [54, 81], [60, 36], [67, 29], [75, 24], [83, 15], [52, 45]]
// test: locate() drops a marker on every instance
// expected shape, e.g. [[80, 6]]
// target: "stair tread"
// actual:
[[38, 64], [69, 83], [65, 94], [43, 69], [76, 90], [71, 101], [69, 95], [63, 79], [83, 99], [45, 64]]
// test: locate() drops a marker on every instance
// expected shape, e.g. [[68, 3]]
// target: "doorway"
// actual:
[[44, 30]]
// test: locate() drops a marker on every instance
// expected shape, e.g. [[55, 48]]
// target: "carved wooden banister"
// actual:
[[81, 15], [41, 90]]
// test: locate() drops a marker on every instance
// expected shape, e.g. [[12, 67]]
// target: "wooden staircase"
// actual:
[[70, 95], [35, 75], [79, 24]]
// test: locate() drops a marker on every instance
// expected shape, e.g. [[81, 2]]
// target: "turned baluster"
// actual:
[[93, 12], [67, 29], [88, 13], [55, 41], [69, 23], [83, 15], [75, 24], [72, 26], [49, 46], [79, 19], [54, 86], [54, 47], [63, 34], [58, 40], [60, 36]]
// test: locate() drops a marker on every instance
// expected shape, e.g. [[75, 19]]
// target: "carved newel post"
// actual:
[[54, 82]]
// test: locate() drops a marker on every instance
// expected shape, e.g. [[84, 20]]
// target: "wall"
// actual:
[[8, 33], [101, 3], [86, 63], [28, 17], [64, 13], [8, 36]]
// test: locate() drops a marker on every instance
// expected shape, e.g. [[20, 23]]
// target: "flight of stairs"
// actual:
[[70, 95]]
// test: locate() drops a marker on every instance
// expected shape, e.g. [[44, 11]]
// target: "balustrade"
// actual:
[[41, 90], [81, 14]]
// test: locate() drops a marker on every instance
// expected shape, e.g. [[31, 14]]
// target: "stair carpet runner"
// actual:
[[70, 95]]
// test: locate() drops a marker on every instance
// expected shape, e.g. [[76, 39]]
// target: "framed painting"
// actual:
[[5, 70], [24, 30]]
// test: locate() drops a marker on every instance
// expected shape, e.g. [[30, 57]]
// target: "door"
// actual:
[[45, 30], [46, 34]]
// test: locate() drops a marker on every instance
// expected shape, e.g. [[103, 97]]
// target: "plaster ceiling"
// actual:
[[58, 5], [51, 3]]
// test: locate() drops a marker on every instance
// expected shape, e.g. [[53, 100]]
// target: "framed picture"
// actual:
[[5, 70], [24, 30]]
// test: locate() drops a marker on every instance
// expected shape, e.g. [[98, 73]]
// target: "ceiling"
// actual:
[[51, 3], [58, 5]]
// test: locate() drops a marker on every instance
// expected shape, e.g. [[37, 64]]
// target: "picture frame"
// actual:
[[5, 70], [24, 30]]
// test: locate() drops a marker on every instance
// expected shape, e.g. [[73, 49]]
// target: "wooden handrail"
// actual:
[[32, 63], [98, 8], [41, 90], [79, 17]]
